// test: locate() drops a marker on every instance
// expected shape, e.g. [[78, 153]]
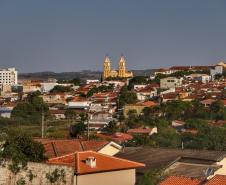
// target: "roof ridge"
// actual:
[[125, 160]]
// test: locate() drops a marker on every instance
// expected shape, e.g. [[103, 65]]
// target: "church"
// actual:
[[120, 73]]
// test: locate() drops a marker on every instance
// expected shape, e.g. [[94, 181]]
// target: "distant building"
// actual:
[[121, 72], [170, 82], [218, 69], [204, 78], [8, 76]]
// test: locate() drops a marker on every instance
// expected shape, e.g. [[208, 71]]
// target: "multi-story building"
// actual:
[[170, 82], [121, 72], [8, 76]]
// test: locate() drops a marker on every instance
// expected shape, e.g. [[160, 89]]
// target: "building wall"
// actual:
[[8, 76], [110, 149], [170, 82], [123, 177], [127, 108], [39, 170]]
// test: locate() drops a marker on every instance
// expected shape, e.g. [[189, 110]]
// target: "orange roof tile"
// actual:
[[217, 180], [104, 162], [179, 180], [60, 147]]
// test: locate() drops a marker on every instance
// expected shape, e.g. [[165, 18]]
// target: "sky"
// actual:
[[74, 35]]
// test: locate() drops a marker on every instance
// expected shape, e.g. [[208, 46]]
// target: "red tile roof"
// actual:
[[148, 103], [55, 147], [217, 180], [140, 130], [180, 180], [104, 163]]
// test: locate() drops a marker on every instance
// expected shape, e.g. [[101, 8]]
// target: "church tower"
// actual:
[[122, 67], [107, 67]]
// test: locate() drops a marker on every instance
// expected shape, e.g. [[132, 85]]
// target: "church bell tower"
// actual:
[[122, 67], [107, 67]]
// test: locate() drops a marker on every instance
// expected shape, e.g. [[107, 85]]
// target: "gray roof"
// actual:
[[196, 160]]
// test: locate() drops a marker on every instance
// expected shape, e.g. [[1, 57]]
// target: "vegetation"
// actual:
[[31, 110], [20, 149], [206, 136], [102, 88], [77, 129], [126, 97], [61, 89]]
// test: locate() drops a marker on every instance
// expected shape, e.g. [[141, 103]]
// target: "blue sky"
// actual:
[[72, 35]]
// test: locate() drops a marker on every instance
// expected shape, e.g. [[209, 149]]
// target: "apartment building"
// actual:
[[8, 76]]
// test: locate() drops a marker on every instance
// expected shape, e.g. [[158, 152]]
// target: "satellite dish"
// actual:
[[208, 172]]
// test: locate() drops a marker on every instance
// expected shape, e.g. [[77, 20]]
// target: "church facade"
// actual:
[[121, 72]]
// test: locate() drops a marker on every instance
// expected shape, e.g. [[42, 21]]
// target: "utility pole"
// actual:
[[43, 123], [88, 125]]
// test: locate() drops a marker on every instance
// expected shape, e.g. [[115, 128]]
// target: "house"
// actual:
[[61, 147], [143, 131], [118, 137], [218, 69], [145, 93], [79, 103], [99, 120], [138, 107], [6, 110], [58, 114], [180, 180], [204, 78], [178, 125], [79, 168], [177, 162], [170, 82], [207, 102], [92, 168]]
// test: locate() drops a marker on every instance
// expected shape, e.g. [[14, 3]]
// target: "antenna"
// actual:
[[43, 123]]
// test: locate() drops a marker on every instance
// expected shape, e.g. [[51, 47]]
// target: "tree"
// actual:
[[111, 127], [218, 111], [61, 89], [137, 80], [31, 110], [76, 81], [127, 97], [151, 177], [21, 148], [77, 129], [70, 114]]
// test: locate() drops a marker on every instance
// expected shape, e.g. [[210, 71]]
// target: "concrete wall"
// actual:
[[123, 177], [39, 170]]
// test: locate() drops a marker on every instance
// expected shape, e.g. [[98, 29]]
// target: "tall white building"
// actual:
[[8, 76]]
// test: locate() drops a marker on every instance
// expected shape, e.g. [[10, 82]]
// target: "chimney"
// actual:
[[91, 161]]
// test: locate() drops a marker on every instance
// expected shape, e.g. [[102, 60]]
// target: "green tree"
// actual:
[[127, 97], [70, 114], [21, 148], [77, 129], [31, 110], [218, 111], [61, 89]]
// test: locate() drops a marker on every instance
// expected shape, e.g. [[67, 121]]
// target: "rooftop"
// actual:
[[180, 180], [103, 162]]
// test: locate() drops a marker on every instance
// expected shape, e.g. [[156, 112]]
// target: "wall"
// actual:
[[39, 170], [123, 177]]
